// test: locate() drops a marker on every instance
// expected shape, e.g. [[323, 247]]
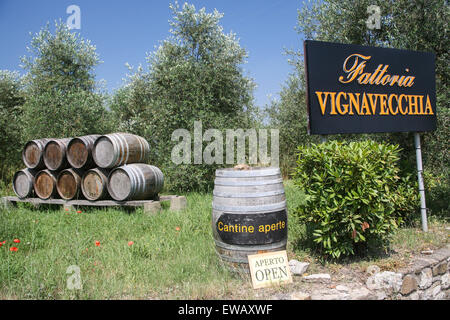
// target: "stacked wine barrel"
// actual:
[[93, 167]]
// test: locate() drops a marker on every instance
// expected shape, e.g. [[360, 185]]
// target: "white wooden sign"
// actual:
[[270, 268]]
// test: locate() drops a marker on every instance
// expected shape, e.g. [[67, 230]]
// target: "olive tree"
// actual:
[[11, 103], [62, 96], [194, 75]]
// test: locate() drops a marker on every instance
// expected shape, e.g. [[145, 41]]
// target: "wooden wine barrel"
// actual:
[[32, 154], [45, 184], [94, 184], [68, 184], [79, 151], [117, 149], [249, 214], [55, 154], [137, 181], [23, 183]]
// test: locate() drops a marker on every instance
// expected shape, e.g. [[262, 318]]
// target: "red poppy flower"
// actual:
[[1, 243], [177, 229], [16, 241], [97, 243], [130, 243], [13, 249], [67, 209], [79, 211]]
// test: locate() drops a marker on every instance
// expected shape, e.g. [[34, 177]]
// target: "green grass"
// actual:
[[163, 262]]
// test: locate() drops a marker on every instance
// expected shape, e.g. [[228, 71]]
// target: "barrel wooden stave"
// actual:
[[23, 181], [94, 184], [45, 184], [33, 153], [248, 198], [136, 181], [55, 154], [79, 151], [68, 184], [117, 149]]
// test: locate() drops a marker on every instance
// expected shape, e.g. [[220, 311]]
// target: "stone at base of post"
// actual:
[[178, 203], [152, 208]]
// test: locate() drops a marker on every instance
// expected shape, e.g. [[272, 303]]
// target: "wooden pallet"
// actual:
[[177, 203]]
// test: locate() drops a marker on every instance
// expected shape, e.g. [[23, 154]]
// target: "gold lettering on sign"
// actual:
[[354, 68], [366, 104]]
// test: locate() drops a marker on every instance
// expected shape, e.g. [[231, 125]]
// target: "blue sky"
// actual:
[[124, 31]]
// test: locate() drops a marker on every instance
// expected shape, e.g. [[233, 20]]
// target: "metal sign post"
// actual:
[[423, 206]]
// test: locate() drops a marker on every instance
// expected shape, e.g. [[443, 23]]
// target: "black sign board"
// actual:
[[252, 229], [361, 89]]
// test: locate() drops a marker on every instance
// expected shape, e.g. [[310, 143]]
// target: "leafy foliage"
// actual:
[[289, 115], [355, 198], [194, 75], [414, 25], [11, 102], [60, 86]]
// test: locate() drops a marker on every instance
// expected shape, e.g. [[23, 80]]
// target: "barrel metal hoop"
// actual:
[[247, 173], [127, 149], [133, 175], [245, 209], [247, 183], [248, 195], [244, 248], [141, 178], [118, 149]]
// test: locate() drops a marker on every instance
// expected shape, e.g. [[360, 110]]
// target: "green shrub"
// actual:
[[355, 198]]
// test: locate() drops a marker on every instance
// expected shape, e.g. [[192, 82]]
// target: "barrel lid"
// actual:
[[92, 183], [119, 177], [55, 154], [44, 184], [77, 153], [66, 184], [104, 151], [22, 184], [32, 153]]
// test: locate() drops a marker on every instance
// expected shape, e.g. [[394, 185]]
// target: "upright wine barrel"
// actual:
[[33, 154], [45, 184], [249, 214], [117, 149], [55, 154], [68, 184], [23, 183], [94, 184], [137, 181], [79, 151]]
